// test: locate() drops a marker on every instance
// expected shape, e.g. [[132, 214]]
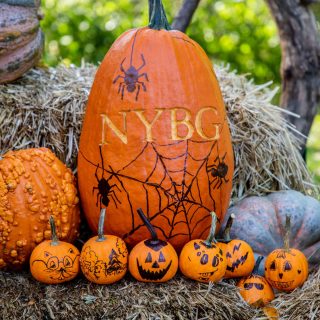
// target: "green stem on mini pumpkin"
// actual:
[[157, 16], [150, 227], [257, 264], [227, 229], [54, 237], [211, 238], [101, 236], [286, 239]]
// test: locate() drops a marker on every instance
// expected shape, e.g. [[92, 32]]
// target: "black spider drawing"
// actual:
[[131, 76], [219, 171], [105, 189]]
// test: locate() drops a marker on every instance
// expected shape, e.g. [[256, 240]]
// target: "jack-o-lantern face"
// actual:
[[153, 261], [240, 258], [201, 262], [255, 289], [286, 270]]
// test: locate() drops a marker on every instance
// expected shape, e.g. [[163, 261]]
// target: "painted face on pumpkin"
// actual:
[[59, 268], [284, 270]]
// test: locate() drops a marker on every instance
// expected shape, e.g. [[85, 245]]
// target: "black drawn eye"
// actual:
[[67, 262], [273, 265], [53, 263]]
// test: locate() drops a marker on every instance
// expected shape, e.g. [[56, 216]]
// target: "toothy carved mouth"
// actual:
[[205, 276], [281, 285], [152, 275]]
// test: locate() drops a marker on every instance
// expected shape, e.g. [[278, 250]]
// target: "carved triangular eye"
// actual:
[[196, 246], [161, 257], [149, 258], [273, 265], [287, 266]]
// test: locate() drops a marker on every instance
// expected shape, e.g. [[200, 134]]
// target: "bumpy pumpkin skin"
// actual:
[[240, 258], [21, 40], [255, 289], [104, 262], [162, 144], [34, 184], [201, 263], [260, 222], [286, 270], [53, 264], [153, 262]]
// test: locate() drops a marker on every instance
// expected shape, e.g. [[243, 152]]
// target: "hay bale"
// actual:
[[46, 107], [23, 298]]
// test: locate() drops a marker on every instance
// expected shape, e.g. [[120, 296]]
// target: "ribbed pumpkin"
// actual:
[[34, 184], [156, 137], [21, 40], [261, 220]]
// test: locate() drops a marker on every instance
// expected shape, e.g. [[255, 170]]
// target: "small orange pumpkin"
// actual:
[[54, 261], [239, 254], [203, 261], [104, 259], [255, 289], [286, 268], [153, 260]]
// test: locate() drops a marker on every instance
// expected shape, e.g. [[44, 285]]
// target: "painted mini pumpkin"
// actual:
[[54, 261], [153, 260], [104, 259], [287, 268], [155, 138], [203, 260], [255, 289], [34, 184], [21, 40], [239, 254]]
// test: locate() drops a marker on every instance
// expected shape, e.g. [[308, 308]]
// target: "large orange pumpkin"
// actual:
[[34, 184], [155, 136]]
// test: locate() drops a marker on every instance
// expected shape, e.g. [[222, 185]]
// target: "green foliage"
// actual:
[[237, 32]]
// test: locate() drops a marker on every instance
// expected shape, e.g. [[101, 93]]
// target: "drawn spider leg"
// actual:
[[112, 192], [117, 78], [218, 183], [122, 91], [138, 86], [114, 200], [143, 62], [143, 85], [226, 180], [144, 75], [121, 84], [121, 65]]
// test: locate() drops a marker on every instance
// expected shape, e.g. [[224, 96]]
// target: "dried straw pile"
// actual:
[[23, 298], [46, 107]]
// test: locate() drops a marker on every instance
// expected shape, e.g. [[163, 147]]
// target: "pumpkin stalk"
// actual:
[[157, 16], [286, 239], [211, 238], [54, 237], [101, 236], [257, 265], [226, 232], [146, 221]]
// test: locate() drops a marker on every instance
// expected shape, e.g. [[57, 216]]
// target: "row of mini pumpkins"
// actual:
[[104, 259]]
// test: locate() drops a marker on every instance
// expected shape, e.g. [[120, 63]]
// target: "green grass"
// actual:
[[313, 150]]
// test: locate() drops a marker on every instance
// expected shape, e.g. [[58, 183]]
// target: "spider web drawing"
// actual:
[[180, 199]]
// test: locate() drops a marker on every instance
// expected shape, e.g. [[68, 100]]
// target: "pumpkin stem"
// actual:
[[54, 237], [286, 239], [257, 264], [101, 236], [227, 229], [157, 16], [211, 238], [146, 221]]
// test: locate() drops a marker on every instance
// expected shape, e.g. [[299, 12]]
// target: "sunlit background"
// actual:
[[240, 33]]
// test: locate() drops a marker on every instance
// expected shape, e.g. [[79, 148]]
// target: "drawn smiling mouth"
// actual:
[[152, 275], [205, 276], [281, 285]]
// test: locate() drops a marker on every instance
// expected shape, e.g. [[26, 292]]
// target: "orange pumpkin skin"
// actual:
[[33, 185], [286, 270], [54, 261], [153, 263], [104, 259], [162, 144], [255, 289]]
